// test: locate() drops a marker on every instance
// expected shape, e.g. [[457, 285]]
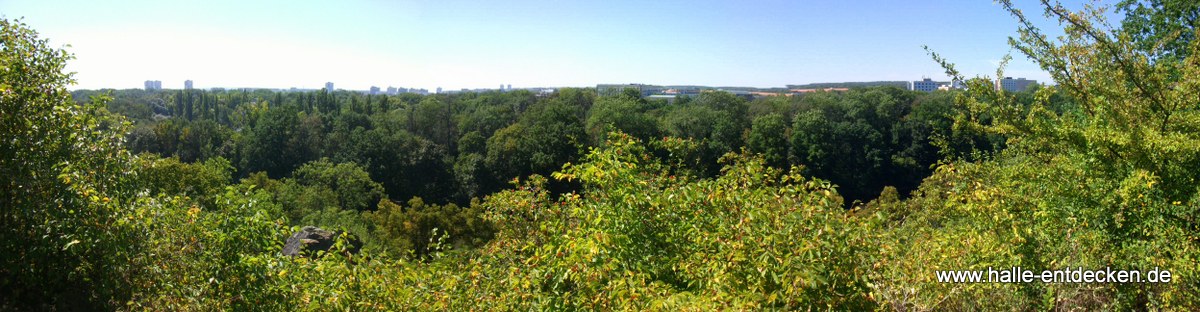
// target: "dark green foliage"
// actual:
[[547, 136], [354, 188], [769, 138], [452, 148], [434, 120], [472, 176], [884, 137], [622, 113], [716, 120], [1161, 28], [407, 165], [276, 144]]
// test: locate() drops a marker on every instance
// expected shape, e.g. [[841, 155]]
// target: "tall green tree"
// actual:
[[352, 184], [1161, 28], [621, 113], [66, 184], [769, 138], [276, 144], [547, 136]]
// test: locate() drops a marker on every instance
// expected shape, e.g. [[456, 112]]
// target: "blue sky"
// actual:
[[482, 44]]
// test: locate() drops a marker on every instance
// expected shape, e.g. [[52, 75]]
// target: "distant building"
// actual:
[[391, 90], [923, 85], [617, 89], [810, 90], [668, 97], [682, 91], [152, 85], [329, 87], [761, 94], [739, 93], [1014, 85], [439, 90], [951, 85], [374, 90], [402, 90], [509, 88], [187, 84]]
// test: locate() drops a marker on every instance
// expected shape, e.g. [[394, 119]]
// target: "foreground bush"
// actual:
[[65, 179]]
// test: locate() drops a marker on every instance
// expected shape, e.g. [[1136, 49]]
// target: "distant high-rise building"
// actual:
[[153, 85], [187, 84], [1014, 85], [374, 90], [502, 87], [923, 85], [509, 88], [329, 87], [439, 90], [391, 90]]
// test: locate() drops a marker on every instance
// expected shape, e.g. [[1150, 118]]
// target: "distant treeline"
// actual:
[[452, 148], [861, 84]]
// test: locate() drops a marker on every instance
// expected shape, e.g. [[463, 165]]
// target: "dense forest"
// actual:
[[186, 199], [453, 148], [331, 159]]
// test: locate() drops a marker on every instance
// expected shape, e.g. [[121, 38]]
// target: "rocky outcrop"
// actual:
[[310, 239]]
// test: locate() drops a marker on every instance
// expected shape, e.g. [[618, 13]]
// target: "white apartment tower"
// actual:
[[1013, 85], [923, 85]]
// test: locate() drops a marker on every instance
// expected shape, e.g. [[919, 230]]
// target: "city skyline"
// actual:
[[415, 44], [926, 84]]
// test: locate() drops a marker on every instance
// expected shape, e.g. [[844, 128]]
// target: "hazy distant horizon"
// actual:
[[167, 86], [461, 44]]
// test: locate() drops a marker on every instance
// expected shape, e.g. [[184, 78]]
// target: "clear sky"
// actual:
[[482, 44]]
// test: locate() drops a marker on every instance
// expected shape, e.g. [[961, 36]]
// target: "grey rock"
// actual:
[[310, 239]]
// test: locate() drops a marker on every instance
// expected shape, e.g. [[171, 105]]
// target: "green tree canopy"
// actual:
[[67, 184]]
